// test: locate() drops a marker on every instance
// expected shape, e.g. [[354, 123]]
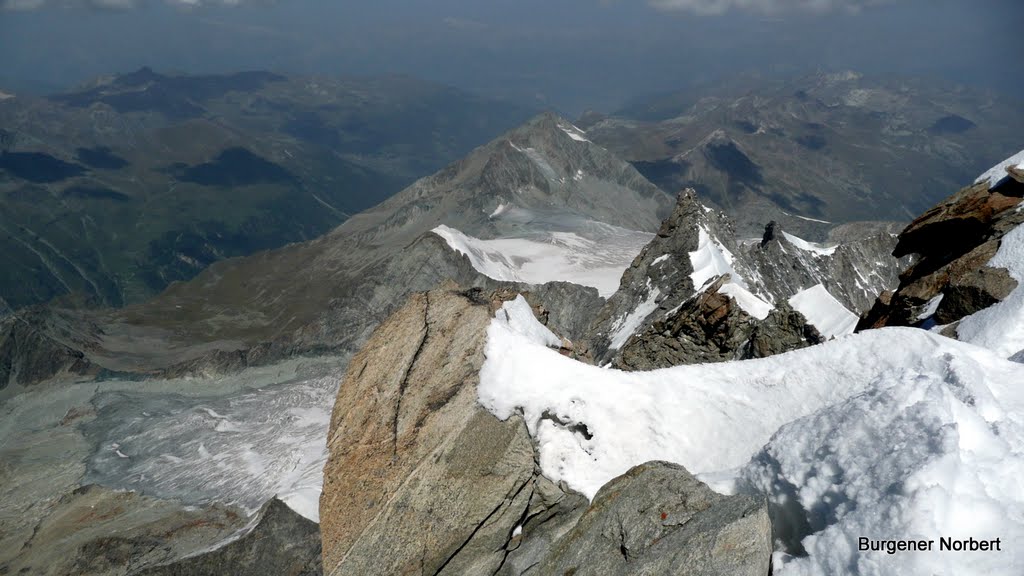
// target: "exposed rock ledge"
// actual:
[[422, 480]]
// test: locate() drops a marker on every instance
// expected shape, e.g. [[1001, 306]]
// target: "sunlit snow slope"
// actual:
[[892, 433], [594, 257]]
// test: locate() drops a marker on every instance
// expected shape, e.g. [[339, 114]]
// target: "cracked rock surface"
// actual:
[[658, 519], [422, 480]]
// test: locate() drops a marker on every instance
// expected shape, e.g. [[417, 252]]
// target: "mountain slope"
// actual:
[[329, 293], [113, 191], [696, 294], [827, 147]]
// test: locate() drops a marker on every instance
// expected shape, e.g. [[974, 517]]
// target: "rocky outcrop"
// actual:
[[282, 543], [854, 270], [95, 531], [658, 519], [712, 327], [420, 478], [662, 270], [658, 318], [955, 240], [30, 353]]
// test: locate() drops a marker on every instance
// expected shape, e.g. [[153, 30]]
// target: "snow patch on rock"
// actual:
[[824, 312], [996, 174], [1000, 327], [574, 132], [712, 259], [814, 248], [627, 325]]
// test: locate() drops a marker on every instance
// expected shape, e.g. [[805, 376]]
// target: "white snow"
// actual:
[[574, 132], [1000, 327], [891, 433], [712, 259], [554, 256], [502, 207], [659, 259], [626, 326], [751, 304], [806, 218], [518, 315], [997, 173], [930, 307], [816, 249], [824, 312]]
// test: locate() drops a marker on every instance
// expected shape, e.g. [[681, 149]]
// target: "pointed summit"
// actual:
[[545, 170]]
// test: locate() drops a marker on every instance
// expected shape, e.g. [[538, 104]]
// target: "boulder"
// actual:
[[955, 241], [658, 519]]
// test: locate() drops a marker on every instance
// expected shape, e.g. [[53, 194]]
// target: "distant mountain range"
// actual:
[[818, 150], [115, 190]]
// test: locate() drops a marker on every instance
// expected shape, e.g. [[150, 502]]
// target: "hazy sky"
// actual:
[[570, 54]]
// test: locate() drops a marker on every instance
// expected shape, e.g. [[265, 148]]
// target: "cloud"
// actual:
[[764, 6]]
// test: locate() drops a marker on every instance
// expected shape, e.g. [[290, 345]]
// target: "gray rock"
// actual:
[[95, 531], [31, 349], [856, 272], [686, 327], [658, 519], [282, 543], [712, 327]]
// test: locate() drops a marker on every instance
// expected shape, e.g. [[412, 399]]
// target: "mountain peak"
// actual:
[[549, 126]]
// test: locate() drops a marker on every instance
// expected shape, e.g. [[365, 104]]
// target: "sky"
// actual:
[[570, 55]]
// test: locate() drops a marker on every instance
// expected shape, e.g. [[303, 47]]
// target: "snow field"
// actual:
[[892, 433]]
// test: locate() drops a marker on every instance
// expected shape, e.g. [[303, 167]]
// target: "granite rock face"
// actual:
[[420, 478], [658, 519], [955, 240]]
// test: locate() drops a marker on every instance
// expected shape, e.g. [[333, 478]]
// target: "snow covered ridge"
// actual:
[[817, 249], [552, 256], [824, 312], [996, 174], [892, 434]]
